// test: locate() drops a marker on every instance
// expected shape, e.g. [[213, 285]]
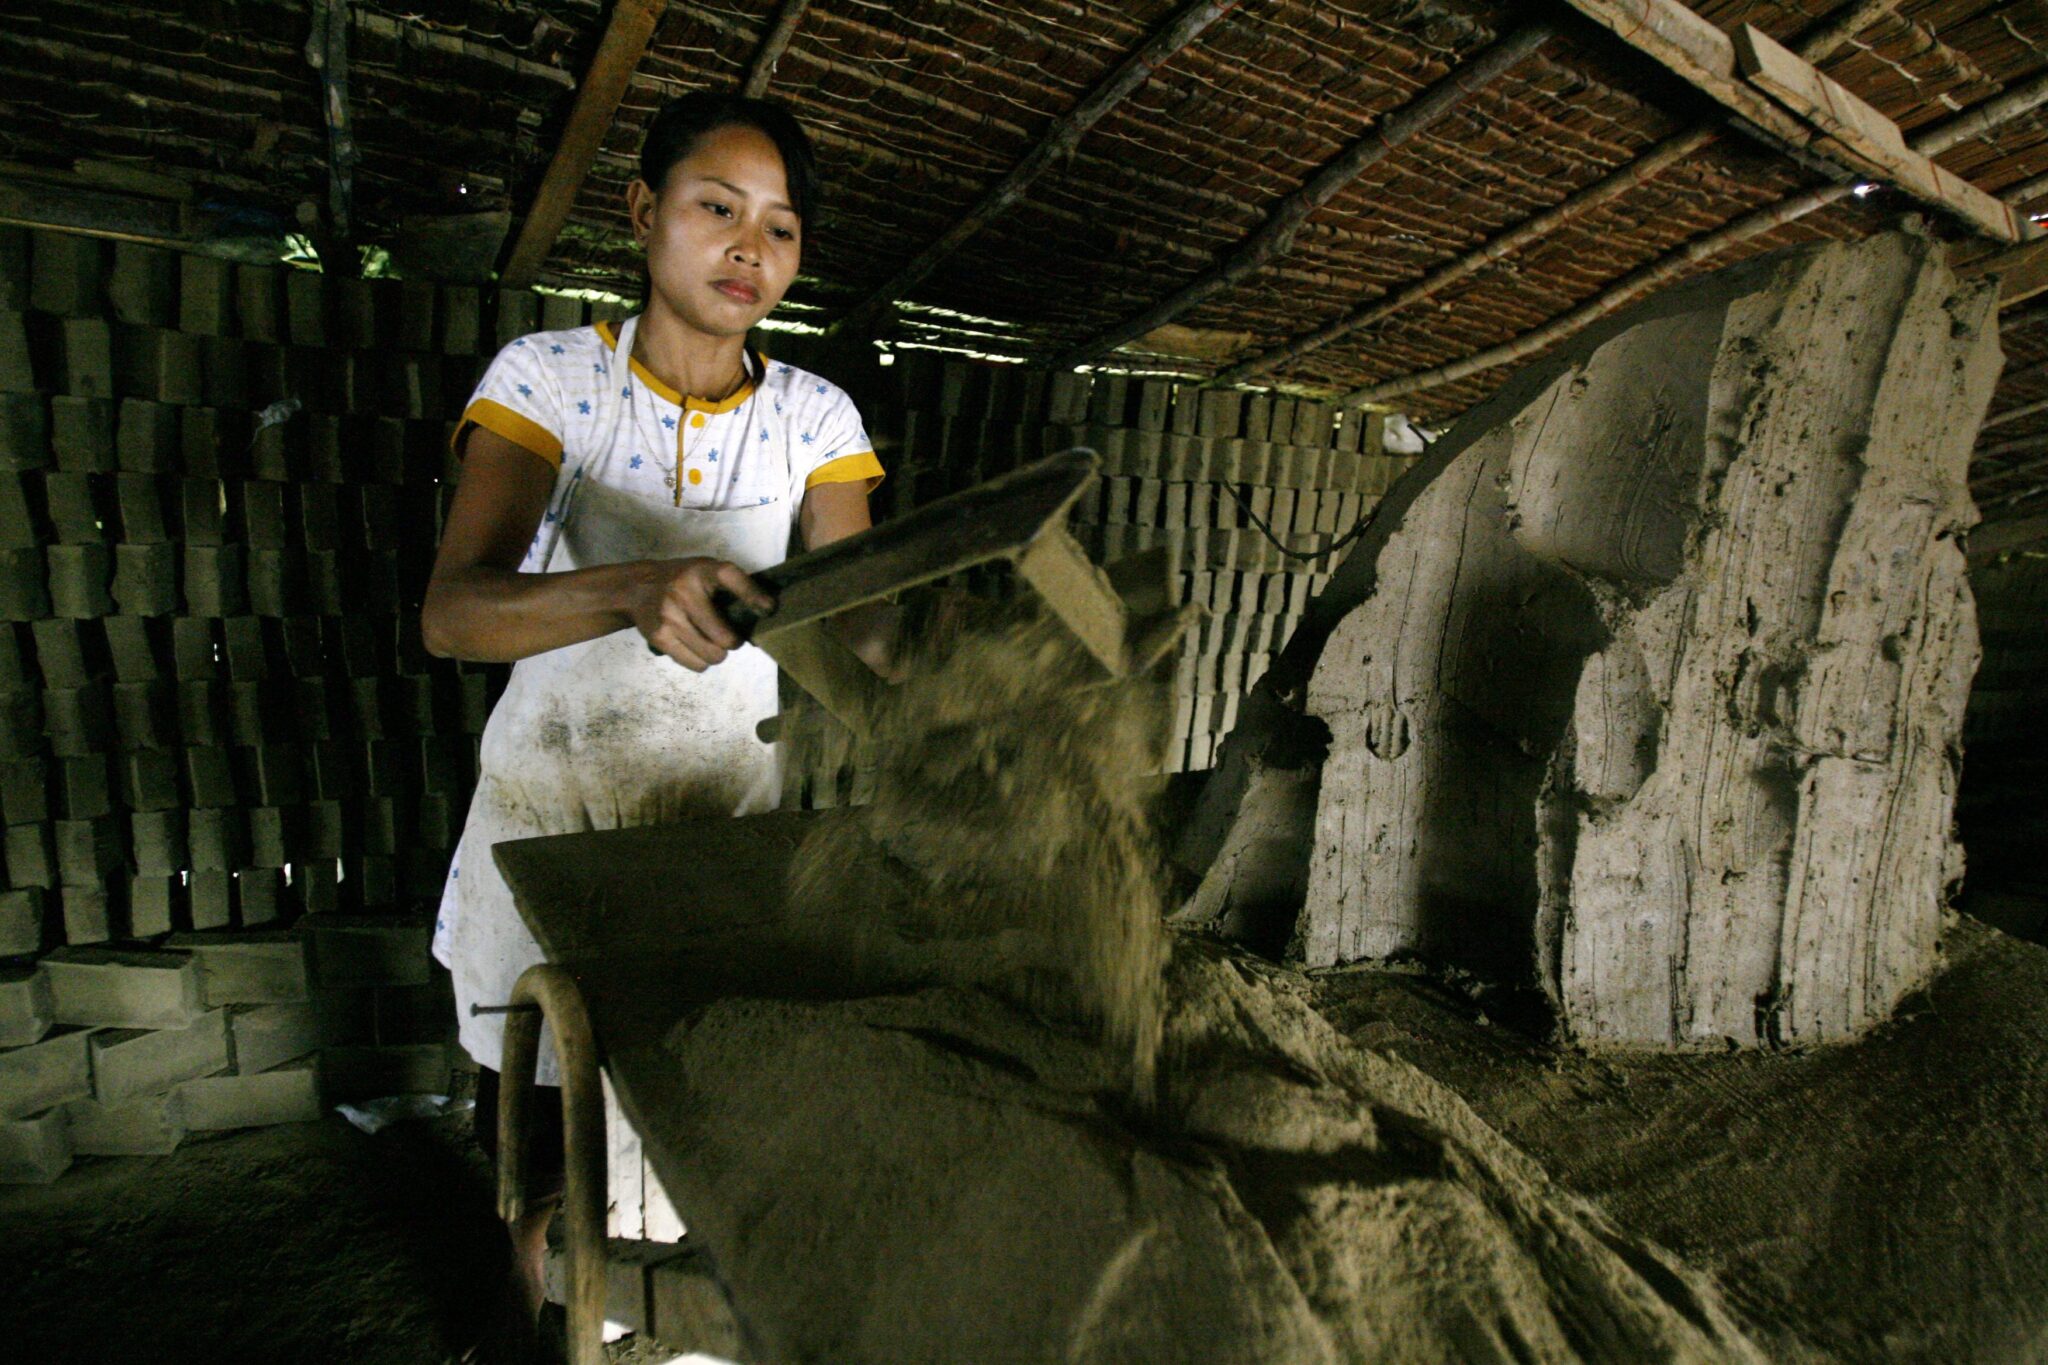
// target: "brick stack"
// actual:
[[220, 490]]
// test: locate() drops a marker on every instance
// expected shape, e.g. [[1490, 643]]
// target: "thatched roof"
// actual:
[[921, 106]]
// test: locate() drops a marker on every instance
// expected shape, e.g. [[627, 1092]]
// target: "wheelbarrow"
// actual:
[[635, 939]]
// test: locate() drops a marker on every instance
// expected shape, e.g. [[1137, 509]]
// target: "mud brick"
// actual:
[[259, 895], [354, 313], [271, 830], [23, 916], [78, 577], [83, 791], [17, 356], [68, 653], [72, 504], [266, 516], [143, 287], [461, 321], [376, 881], [410, 698], [24, 590], [446, 764], [324, 590], [149, 1125], [34, 1150], [316, 886], [250, 967], [474, 695], [82, 434], [89, 851], [145, 716], [380, 517], [370, 950], [200, 704], [26, 1011], [258, 294], [322, 830], [146, 579], [89, 914], [216, 840], [413, 385], [25, 793], [389, 766], [313, 716], [416, 1014], [380, 825], [203, 510], [413, 326], [206, 302], [17, 664], [246, 649], [149, 781], [438, 824], [305, 648], [67, 273], [153, 903], [31, 858], [323, 444], [216, 580], [359, 643], [210, 897], [168, 367], [87, 348], [215, 442], [132, 647], [253, 716], [210, 776], [331, 772], [56, 1070], [292, 1093], [276, 774], [224, 372], [269, 1035], [141, 503], [518, 314], [305, 297], [24, 431], [14, 268], [364, 1073], [76, 720], [271, 452], [267, 376], [277, 582], [157, 842], [193, 650], [129, 1063]]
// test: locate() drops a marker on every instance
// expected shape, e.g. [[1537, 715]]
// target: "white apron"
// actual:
[[607, 734]]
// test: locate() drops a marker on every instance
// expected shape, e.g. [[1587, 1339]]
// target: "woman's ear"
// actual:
[[640, 201]]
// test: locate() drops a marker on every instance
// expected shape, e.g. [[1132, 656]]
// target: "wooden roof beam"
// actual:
[[772, 48], [1276, 235], [1784, 98], [625, 39], [1175, 35], [1816, 45]]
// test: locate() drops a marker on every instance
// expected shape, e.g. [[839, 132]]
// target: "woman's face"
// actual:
[[722, 240]]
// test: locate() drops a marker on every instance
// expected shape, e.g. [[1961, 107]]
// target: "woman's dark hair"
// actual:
[[677, 126]]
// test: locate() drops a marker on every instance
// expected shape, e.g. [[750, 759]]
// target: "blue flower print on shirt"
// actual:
[[765, 501], [808, 438], [633, 463], [597, 369], [764, 433], [557, 350], [778, 405], [669, 422], [584, 407], [526, 390], [520, 341], [627, 392], [821, 388], [713, 456]]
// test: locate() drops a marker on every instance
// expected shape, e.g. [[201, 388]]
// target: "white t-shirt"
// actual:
[[567, 397]]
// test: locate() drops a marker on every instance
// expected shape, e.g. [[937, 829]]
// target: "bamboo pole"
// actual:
[[1276, 235], [772, 48]]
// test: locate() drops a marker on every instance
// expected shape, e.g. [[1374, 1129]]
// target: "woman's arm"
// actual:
[[479, 606]]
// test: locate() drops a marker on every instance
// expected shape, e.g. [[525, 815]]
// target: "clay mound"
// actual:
[[939, 1176]]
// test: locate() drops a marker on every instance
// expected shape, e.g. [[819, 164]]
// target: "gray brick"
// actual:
[[267, 1036], [143, 287], [23, 911], [286, 1094], [54, 1071], [67, 273], [249, 967], [34, 1151], [113, 988], [370, 950], [151, 1125], [367, 1073], [26, 1011], [24, 431], [127, 1063]]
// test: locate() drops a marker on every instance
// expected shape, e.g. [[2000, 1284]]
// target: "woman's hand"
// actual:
[[674, 611]]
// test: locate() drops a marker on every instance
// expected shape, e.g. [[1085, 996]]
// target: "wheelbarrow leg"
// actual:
[[560, 1005]]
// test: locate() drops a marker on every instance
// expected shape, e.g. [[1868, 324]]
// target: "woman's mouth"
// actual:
[[737, 289]]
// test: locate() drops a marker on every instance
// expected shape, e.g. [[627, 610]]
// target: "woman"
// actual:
[[613, 482]]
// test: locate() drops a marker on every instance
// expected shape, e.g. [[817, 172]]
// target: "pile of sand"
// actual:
[[960, 1172]]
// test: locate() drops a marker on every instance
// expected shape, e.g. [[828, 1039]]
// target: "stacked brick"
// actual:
[[1187, 470], [221, 485]]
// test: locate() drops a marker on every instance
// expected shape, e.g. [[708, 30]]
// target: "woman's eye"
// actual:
[[720, 209], [783, 234]]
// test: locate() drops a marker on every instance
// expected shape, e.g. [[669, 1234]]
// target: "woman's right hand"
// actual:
[[672, 608]]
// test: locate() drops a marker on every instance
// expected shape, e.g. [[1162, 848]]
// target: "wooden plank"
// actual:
[[1836, 110], [818, 661], [1707, 59], [772, 48], [2022, 271], [625, 40], [1080, 595]]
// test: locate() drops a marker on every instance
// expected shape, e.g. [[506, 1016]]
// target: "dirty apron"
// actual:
[[607, 734]]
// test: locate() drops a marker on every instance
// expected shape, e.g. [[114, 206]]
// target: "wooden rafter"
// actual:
[[1276, 235], [1817, 45], [1786, 99], [772, 48], [625, 39], [1175, 35], [1670, 267]]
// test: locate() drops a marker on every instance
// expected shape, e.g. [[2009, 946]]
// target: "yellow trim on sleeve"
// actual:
[[517, 428], [860, 465], [669, 392]]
